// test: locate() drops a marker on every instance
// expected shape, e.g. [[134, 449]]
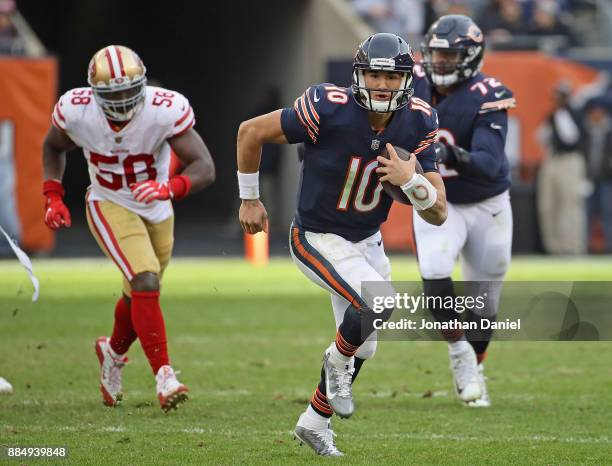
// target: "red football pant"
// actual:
[[149, 325]]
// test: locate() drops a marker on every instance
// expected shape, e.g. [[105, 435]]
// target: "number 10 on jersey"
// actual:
[[365, 180]]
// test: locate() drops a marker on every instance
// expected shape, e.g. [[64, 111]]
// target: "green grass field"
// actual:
[[249, 344]]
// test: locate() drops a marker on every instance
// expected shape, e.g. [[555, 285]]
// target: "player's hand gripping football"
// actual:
[[395, 170], [56, 212], [253, 216]]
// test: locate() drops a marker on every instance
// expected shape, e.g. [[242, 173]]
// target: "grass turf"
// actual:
[[249, 343]]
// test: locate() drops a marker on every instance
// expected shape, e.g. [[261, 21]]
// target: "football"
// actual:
[[395, 192]]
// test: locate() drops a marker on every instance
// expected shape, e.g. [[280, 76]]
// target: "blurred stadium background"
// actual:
[[233, 62]]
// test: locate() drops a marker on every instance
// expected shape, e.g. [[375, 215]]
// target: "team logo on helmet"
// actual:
[[475, 33]]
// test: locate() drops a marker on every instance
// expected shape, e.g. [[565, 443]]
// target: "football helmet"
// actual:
[[383, 52], [117, 77], [456, 33]]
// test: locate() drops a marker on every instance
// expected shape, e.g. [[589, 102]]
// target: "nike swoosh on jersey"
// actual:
[[496, 213], [316, 97], [499, 94], [496, 126]]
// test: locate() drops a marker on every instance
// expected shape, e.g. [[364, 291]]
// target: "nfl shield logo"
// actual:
[[375, 144], [118, 139]]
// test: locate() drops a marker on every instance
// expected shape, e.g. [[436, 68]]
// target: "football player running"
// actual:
[[127, 130], [472, 108], [335, 239]]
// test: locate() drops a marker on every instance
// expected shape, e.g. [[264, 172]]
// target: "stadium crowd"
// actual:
[[506, 23]]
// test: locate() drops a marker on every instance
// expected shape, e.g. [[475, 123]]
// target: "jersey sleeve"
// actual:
[[487, 146], [69, 109], [499, 98], [181, 117], [424, 150], [302, 122], [58, 117]]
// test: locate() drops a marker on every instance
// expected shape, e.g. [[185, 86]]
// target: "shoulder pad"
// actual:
[[171, 110], [317, 103], [492, 95]]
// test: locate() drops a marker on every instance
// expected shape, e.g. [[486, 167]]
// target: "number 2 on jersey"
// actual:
[[347, 189]]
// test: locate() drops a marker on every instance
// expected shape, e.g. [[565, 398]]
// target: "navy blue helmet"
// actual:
[[453, 33], [383, 52]]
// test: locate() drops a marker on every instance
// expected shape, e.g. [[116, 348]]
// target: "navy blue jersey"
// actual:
[[475, 118], [339, 190]]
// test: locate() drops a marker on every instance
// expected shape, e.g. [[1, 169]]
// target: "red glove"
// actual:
[[148, 191], [56, 213]]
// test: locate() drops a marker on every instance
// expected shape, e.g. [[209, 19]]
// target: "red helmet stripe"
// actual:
[[118, 52]]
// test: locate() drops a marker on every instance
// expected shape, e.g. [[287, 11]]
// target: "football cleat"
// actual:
[[484, 401], [110, 372], [5, 386], [465, 373], [338, 383], [170, 392], [321, 441]]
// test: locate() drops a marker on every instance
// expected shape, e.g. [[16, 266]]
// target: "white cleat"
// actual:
[[321, 441], [338, 383], [170, 392], [484, 401], [5, 387], [465, 374], [110, 372]]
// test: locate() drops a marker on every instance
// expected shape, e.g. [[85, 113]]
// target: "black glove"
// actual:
[[453, 157]]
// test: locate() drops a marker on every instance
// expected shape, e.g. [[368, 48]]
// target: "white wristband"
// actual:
[[420, 191], [248, 185]]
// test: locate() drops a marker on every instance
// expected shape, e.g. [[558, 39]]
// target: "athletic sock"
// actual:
[[459, 346], [480, 357], [314, 420], [357, 366], [149, 325], [123, 330], [318, 402], [343, 350]]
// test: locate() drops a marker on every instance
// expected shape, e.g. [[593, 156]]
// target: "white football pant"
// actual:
[[340, 266], [480, 233]]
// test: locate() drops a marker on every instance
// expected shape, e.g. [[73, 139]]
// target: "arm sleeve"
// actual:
[[488, 141]]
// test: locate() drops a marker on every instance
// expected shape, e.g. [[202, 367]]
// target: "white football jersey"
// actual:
[[139, 151]]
